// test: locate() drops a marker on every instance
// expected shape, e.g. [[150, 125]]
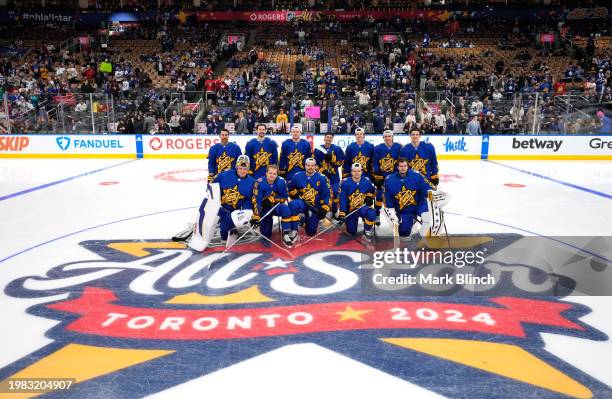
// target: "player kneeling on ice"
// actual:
[[356, 199], [228, 200], [310, 196], [407, 195], [270, 194]]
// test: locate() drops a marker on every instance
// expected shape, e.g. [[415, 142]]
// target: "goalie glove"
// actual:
[[435, 180], [241, 217]]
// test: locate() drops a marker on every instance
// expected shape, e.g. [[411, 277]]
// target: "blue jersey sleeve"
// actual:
[[281, 186], [433, 161], [325, 201], [343, 198], [212, 163]]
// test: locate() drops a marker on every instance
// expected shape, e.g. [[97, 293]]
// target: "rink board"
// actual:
[[194, 146]]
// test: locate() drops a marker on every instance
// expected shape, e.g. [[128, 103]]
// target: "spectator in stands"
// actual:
[[241, 123], [473, 127], [282, 122]]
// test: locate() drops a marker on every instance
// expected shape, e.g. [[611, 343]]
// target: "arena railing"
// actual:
[[517, 113]]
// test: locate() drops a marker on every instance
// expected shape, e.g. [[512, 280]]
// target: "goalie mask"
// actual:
[[243, 160]]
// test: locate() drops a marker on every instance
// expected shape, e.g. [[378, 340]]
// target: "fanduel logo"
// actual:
[[455, 145], [534, 143], [63, 142]]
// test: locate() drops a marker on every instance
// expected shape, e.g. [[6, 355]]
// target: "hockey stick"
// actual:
[[252, 227], [285, 250], [396, 238], [333, 224]]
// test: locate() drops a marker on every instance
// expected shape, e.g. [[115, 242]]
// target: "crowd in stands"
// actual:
[[479, 77]]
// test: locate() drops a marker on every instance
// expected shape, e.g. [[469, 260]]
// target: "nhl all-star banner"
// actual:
[[504, 317]]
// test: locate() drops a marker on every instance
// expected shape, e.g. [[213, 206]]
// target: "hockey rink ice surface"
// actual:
[[86, 264]]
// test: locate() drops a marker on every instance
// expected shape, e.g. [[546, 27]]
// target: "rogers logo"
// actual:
[[171, 143], [253, 17], [155, 144], [14, 143]]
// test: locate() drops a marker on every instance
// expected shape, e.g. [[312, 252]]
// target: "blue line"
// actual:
[[53, 183], [588, 190], [93, 228], [534, 233]]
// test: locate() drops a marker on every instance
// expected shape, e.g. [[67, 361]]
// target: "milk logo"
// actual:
[[63, 142], [455, 145]]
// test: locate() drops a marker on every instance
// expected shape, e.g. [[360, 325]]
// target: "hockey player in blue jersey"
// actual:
[[262, 151], [269, 191], [236, 188], [361, 152], [405, 197], [384, 163], [329, 157], [294, 152], [357, 193], [421, 157], [310, 195], [222, 156]]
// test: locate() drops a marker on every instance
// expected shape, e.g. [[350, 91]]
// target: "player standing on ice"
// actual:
[[222, 156], [262, 151], [406, 198], [421, 157], [310, 194], [384, 164], [357, 193], [294, 152], [361, 152], [329, 157], [271, 192]]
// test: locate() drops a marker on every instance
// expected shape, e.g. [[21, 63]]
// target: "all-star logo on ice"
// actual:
[[154, 306], [63, 142]]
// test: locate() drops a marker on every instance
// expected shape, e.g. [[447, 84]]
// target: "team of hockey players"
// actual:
[[303, 186]]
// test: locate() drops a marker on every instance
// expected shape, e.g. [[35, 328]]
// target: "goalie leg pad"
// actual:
[[206, 219], [431, 220]]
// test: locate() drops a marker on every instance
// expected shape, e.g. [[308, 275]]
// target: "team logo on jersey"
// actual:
[[405, 198], [224, 162], [139, 309], [262, 158], [309, 194], [362, 160], [356, 200], [419, 164], [387, 164], [231, 196], [296, 159]]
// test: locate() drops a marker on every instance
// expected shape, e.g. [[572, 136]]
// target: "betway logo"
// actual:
[[13, 143], [534, 143]]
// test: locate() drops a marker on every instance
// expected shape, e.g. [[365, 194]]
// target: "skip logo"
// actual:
[[534, 143], [13, 143], [63, 142]]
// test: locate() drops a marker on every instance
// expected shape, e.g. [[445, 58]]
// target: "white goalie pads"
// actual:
[[433, 219], [206, 219]]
